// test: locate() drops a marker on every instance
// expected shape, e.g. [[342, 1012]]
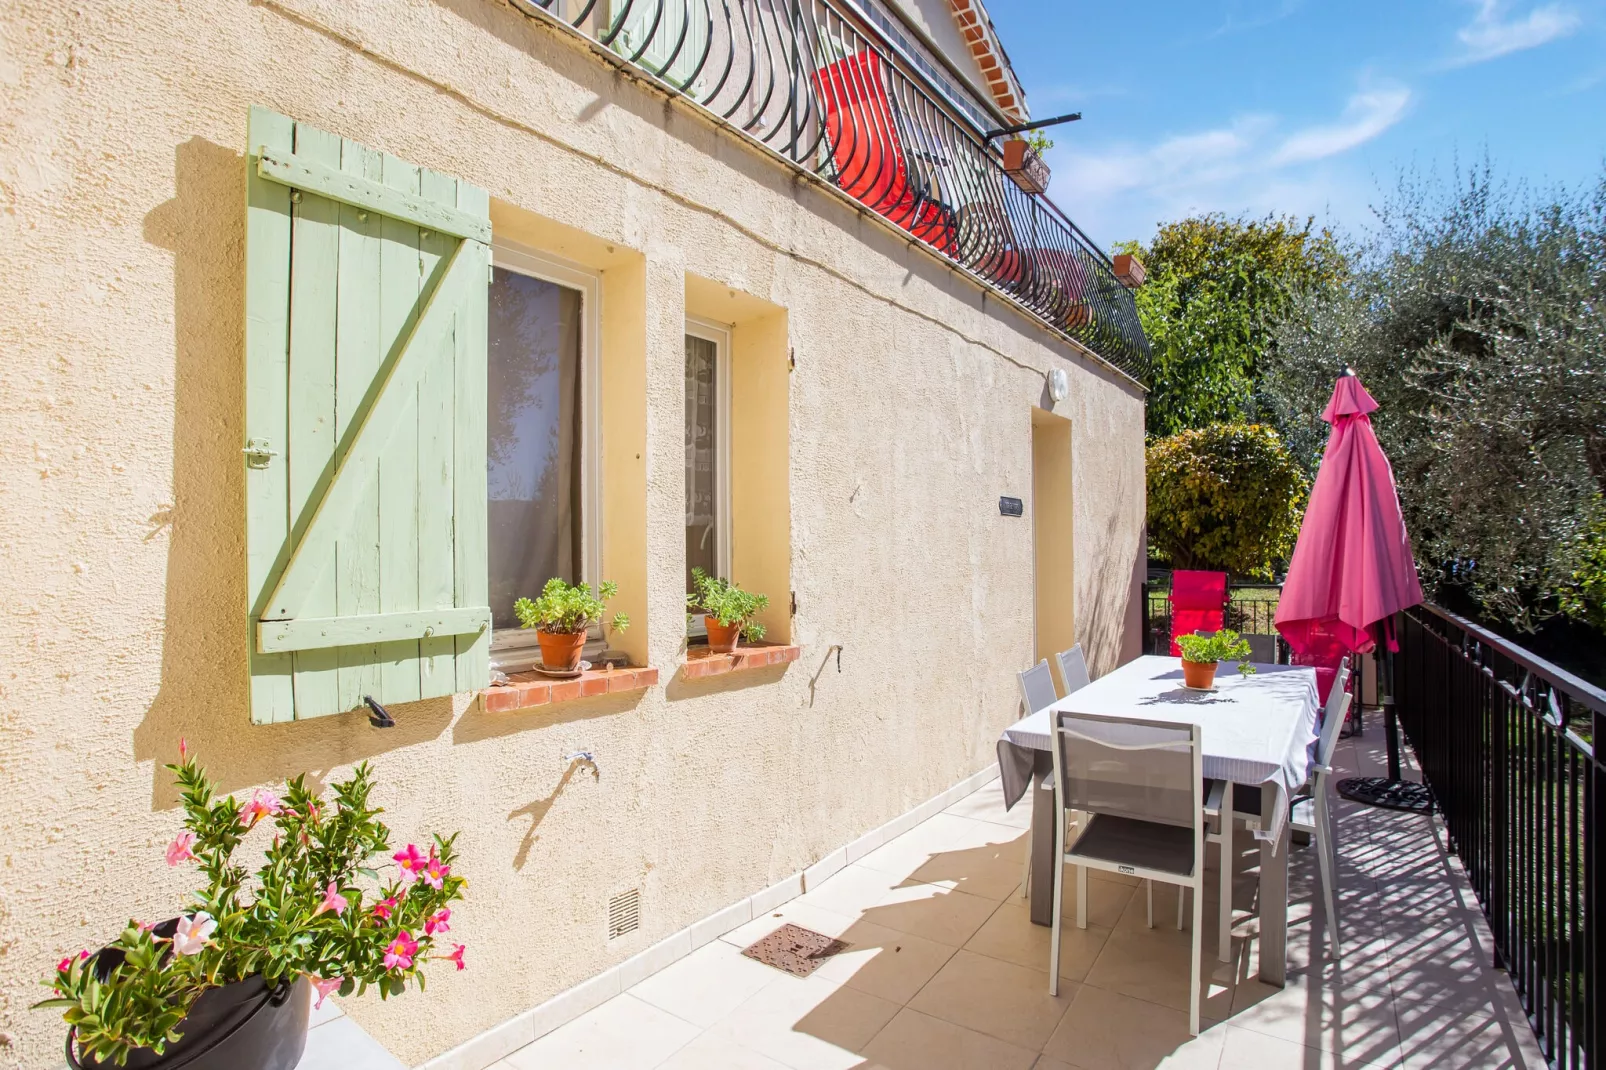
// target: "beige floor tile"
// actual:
[[915, 1041], [709, 1052], [1465, 982], [797, 912], [622, 1032], [1010, 935], [992, 871], [1154, 965], [1246, 1049], [1443, 1038], [810, 1024], [932, 911], [998, 998], [987, 804], [706, 985], [1106, 900], [885, 962], [851, 890], [1108, 1031], [900, 857], [1045, 1063], [1306, 1011]]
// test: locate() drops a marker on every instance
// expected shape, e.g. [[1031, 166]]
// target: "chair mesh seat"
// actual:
[[1130, 842]]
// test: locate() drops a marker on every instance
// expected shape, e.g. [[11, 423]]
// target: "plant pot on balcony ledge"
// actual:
[[1025, 167], [560, 651]]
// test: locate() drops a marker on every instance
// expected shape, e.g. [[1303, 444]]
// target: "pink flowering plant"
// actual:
[[330, 903]]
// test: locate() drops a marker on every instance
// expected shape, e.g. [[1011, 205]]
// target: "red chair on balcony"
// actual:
[[871, 164], [1198, 604]]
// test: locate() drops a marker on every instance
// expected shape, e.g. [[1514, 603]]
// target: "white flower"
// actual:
[[193, 933]]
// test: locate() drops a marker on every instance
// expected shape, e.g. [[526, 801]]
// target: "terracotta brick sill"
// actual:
[[527, 689], [700, 661]]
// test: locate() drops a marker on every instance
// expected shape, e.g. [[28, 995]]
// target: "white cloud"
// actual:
[[1491, 33], [1252, 164], [1367, 115]]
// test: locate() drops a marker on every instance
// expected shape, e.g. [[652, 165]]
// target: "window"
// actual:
[[708, 541], [543, 511], [655, 30]]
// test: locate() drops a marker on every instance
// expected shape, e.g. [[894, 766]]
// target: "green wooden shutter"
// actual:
[[366, 283]]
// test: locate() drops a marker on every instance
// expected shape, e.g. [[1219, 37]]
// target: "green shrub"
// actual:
[[1227, 497], [563, 609], [727, 603]]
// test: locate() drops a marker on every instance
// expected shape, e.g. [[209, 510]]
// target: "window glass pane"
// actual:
[[534, 447], [702, 529]]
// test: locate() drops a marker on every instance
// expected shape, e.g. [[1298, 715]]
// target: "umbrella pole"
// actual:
[[1391, 792]]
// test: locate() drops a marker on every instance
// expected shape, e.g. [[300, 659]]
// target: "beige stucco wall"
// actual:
[[121, 547]]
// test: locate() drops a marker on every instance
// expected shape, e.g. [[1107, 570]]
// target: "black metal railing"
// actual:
[[1507, 743], [1251, 611], [819, 83]]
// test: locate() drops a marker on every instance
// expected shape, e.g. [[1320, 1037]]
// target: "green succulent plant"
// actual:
[[1225, 645], [564, 609], [727, 603]]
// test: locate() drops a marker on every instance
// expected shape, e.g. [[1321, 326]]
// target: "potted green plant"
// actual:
[[728, 611], [561, 617], [1201, 653], [226, 985]]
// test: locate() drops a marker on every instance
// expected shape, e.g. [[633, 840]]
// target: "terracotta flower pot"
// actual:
[[561, 651], [1199, 674], [721, 640]]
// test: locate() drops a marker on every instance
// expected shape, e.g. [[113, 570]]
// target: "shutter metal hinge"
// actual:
[[794, 603], [791, 360], [258, 452]]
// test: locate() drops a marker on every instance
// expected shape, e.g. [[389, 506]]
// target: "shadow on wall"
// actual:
[[203, 694], [1110, 622]]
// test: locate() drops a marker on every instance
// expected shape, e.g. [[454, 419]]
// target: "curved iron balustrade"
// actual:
[[815, 82]]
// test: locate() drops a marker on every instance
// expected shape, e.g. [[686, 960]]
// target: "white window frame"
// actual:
[[511, 256], [720, 335]]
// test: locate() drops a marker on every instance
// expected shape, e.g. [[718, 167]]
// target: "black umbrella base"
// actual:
[[1390, 794]]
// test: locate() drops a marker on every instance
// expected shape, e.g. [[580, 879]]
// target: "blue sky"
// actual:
[[1302, 106]]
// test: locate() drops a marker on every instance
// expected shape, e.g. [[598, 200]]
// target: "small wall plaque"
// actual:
[[1011, 507]]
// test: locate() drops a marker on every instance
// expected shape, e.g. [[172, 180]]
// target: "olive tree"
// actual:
[[1475, 317]]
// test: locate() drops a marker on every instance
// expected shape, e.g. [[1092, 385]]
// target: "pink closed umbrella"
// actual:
[[1352, 566]]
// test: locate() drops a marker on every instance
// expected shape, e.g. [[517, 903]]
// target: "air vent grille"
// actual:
[[624, 913]]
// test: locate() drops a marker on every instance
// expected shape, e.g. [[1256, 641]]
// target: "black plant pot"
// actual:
[[242, 1026]]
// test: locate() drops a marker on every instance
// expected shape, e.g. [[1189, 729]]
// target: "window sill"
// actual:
[[527, 689], [701, 662]]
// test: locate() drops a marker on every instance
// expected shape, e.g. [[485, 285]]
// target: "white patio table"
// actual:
[[1256, 730]]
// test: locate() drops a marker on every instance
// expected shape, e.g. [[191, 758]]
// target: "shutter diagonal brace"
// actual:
[[332, 510]]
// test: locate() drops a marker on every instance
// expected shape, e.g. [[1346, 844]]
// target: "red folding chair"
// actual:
[[1198, 604]]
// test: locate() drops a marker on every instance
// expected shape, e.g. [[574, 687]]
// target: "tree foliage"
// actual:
[[1217, 290], [1475, 317], [1226, 497]]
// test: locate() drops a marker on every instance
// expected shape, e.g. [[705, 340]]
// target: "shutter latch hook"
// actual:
[[258, 453]]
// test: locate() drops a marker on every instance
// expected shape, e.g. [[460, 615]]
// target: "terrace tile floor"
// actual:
[[946, 972]]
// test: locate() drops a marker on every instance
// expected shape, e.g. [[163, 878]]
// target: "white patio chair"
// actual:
[[1073, 669], [1036, 691], [1140, 785], [1219, 801], [1311, 814]]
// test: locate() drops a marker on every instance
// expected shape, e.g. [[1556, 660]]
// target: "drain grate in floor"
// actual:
[[796, 950]]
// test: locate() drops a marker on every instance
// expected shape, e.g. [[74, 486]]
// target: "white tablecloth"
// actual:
[[1258, 730]]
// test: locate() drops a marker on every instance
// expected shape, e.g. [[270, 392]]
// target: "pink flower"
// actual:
[[323, 986], [457, 956], [146, 926], [193, 932], [66, 962], [435, 871], [262, 804], [411, 863], [383, 908], [332, 900], [179, 850], [438, 923], [399, 955], [183, 749]]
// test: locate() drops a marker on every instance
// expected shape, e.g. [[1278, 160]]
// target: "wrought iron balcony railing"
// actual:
[[818, 83]]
